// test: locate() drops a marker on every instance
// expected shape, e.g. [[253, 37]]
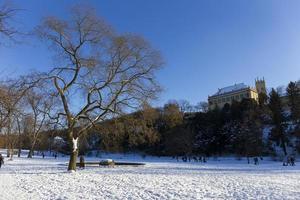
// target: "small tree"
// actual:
[[100, 73]]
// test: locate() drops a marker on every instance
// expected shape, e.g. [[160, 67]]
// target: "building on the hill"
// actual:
[[236, 92]]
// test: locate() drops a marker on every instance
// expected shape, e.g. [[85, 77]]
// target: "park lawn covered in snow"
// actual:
[[160, 178]]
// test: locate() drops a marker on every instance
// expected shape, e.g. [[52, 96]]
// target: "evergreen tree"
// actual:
[[262, 99], [278, 119], [246, 131], [235, 110], [207, 128], [253, 133], [293, 94]]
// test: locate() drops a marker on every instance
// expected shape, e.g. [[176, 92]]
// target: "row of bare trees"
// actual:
[[97, 75], [23, 113]]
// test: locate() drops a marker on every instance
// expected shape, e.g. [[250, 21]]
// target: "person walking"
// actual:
[[292, 159], [81, 162], [255, 161], [1, 160]]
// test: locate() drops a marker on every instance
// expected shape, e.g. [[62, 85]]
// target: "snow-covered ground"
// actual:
[[160, 178]]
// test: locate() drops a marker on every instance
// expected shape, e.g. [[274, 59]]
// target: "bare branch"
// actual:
[[6, 15]]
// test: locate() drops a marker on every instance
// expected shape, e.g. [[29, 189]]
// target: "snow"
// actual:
[[231, 88], [58, 138], [160, 178], [75, 144]]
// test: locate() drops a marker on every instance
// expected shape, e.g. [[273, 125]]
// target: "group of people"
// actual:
[[255, 160], [190, 158], [290, 160], [54, 155]]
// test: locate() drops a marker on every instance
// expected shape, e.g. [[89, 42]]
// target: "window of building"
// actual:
[[227, 99], [223, 100]]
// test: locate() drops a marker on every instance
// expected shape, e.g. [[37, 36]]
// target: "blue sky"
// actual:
[[206, 44]]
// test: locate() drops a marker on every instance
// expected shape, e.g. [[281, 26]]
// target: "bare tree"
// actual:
[[9, 109], [185, 106], [3, 100], [100, 73], [19, 116], [39, 106], [202, 106]]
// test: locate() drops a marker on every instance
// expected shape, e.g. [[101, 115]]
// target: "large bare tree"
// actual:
[[99, 73]]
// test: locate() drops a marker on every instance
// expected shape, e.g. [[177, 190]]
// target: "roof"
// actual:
[[231, 88]]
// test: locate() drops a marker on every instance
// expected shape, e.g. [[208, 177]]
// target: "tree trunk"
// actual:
[[72, 161], [283, 139], [49, 147], [74, 151], [11, 154], [8, 152], [20, 148], [283, 146], [30, 153], [19, 139], [19, 153]]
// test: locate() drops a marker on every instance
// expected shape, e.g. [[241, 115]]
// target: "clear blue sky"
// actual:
[[207, 44]]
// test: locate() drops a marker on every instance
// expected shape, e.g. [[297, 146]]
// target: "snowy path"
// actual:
[[47, 179]]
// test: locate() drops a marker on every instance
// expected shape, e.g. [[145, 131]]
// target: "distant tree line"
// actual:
[[246, 128], [269, 126]]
